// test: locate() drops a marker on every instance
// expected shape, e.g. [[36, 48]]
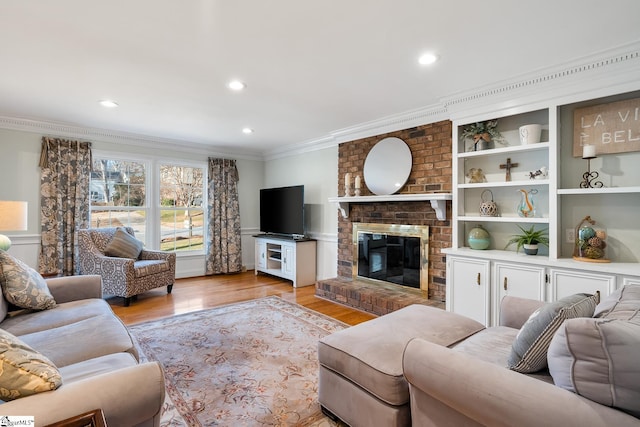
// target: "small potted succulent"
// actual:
[[529, 240], [482, 133]]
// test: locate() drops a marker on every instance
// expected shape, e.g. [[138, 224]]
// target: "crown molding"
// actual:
[[604, 71], [607, 72], [118, 137]]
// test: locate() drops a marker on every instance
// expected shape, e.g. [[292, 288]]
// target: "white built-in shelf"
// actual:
[[506, 150], [603, 190], [503, 219], [520, 183], [438, 201]]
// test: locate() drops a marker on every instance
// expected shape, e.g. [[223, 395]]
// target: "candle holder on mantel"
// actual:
[[589, 177]]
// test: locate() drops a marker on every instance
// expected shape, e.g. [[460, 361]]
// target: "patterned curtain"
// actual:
[[64, 202], [224, 252]]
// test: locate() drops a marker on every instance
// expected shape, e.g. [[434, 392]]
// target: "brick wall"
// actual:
[[430, 147]]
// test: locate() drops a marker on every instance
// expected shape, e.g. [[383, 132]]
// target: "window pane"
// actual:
[[117, 183], [120, 218], [182, 220], [181, 229]]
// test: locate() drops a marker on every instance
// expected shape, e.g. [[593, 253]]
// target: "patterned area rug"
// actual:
[[253, 363]]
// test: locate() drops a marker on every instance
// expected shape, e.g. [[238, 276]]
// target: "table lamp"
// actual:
[[13, 217]]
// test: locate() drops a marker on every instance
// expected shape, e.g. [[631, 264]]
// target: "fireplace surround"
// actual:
[[391, 253]]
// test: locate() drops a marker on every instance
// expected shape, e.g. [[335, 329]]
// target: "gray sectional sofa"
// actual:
[[579, 365], [96, 359]]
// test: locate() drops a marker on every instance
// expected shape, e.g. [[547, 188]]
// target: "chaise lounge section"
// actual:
[[422, 366]]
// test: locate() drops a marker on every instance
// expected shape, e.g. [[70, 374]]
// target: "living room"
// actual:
[[599, 66]]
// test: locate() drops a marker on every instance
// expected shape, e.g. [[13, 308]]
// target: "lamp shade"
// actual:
[[13, 216]]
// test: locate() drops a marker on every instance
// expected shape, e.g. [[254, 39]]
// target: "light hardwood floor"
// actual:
[[200, 293]]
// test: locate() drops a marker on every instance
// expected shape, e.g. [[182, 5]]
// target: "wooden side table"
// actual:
[[93, 418]]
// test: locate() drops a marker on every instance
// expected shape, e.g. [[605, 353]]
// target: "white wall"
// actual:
[[20, 177], [318, 172]]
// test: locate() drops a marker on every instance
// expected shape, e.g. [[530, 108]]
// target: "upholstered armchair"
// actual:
[[124, 277]]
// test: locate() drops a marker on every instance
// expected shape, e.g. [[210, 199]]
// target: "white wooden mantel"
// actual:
[[438, 201]]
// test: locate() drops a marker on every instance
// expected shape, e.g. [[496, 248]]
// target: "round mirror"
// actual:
[[387, 166]]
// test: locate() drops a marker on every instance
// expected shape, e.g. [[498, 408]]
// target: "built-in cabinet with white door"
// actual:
[[569, 282], [550, 172], [476, 283], [291, 259], [470, 296]]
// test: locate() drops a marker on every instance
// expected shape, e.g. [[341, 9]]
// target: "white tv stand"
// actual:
[[291, 259]]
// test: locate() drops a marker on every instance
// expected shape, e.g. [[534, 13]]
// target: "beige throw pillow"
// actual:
[[598, 358], [529, 350], [24, 371], [22, 286], [123, 245]]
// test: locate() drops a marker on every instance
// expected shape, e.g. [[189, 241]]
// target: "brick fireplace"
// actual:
[[431, 171]]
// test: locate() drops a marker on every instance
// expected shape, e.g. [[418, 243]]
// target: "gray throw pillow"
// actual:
[[123, 245], [22, 286], [529, 350], [24, 371]]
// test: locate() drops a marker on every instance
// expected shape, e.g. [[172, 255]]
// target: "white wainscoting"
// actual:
[[27, 248]]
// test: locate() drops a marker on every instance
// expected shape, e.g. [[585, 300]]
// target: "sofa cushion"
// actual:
[[123, 245], [370, 354], [96, 366], [620, 303], [147, 267], [24, 371], [598, 358], [529, 349], [93, 337], [63, 314], [22, 285]]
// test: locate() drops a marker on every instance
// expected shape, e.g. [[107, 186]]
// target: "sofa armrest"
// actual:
[[515, 311], [452, 387], [127, 397], [73, 288]]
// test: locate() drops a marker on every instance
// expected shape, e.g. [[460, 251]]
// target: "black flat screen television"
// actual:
[[282, 210]]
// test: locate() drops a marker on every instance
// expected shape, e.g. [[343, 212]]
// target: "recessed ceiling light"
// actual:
[[236, 85], [428, 58], [247, 130], [107, 103]]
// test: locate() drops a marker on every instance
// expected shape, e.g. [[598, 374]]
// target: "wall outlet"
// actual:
[[571, 237]]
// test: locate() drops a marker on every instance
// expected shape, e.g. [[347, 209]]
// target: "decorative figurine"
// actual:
[[542, 173], [476, 176]]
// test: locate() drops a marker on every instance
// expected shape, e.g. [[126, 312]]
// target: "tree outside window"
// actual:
[[117, 195], [181, 210]]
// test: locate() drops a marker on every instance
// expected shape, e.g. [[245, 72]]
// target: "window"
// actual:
[[181, 208], [118, 195]]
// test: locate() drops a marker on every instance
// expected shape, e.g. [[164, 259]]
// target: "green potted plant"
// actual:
[[482, 133], [529, 240]]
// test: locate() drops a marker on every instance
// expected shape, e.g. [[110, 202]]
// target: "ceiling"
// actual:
[[311, 68]]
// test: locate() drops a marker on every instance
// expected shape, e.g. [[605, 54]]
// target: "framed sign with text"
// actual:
[[612, 127]]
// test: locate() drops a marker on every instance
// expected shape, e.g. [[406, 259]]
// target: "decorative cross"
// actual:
[[508, 167]]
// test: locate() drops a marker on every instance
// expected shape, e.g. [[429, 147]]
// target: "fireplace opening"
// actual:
[[391, 253], [394, 259]]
